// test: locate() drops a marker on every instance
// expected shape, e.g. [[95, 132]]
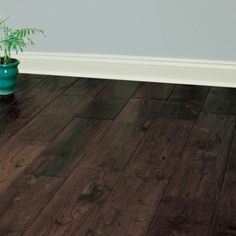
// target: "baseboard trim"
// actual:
[[151, 69]]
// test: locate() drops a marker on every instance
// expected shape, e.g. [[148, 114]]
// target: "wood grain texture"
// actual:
[[189, 93], [83, 192], [42, 95], [164, 143], [87, 87], [185, 102], [154, 91], [102, 108], [26, 197], [180, 216], [9, 127], [221, 100], [70, 147], [123, 137], [9, 104], [25, 83], [3, 207], [224, 222], [110, 101], [48, 124], [10, 113], [15, 157], [88, 157], [189, 201], [119, 89], [131, 205]]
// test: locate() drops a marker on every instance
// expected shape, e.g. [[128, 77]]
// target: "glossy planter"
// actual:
[[8, 74]]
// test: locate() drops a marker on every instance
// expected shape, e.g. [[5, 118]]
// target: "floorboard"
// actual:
[[70, 147], [224, 222], [92, 157], [42, 95], [221, 100], [24, 200], [48, 124], [185, 102], [26, 82], [188, 203], [87, 190], [110, 101], [122, 138], [154, 91], [131, 206], [87, 87], [15, 157]]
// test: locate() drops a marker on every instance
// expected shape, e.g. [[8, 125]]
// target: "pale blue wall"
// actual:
[[199, 29]]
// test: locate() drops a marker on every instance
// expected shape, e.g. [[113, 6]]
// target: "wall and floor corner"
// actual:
[[189, 42]]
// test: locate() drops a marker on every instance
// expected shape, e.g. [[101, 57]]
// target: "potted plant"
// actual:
[[12, 40]]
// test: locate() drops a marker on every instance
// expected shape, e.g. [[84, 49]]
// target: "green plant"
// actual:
[[14, 40]]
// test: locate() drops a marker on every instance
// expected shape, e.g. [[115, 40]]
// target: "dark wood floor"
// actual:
[[88, 157]]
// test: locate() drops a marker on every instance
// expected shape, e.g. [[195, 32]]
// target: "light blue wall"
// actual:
[[199, 29]]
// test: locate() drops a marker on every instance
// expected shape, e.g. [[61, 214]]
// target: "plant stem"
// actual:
[[7, 57]]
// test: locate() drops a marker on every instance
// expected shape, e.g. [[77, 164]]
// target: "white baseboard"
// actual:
[[151, 69]]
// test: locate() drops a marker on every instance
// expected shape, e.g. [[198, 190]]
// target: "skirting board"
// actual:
[[150, 69]]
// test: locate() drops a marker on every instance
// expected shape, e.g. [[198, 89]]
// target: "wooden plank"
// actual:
[[138, 115], [164, 143], [70, 147], [9, 127], [30, 96], [3, 207], [26, 82], [188, 204], [87, 189], [87, 87], [130, 207], [29, 91], [111, 100], [132, 203], [15, 157], [10, 123], [102, 108], [182, 217], [119, 89], [189, 93], [42, 95], [154, 91], [135, 176], [184, 103], [221, 100], [47, 125], [26, 198], [9, 103], [180, 110], [9, 109], [224, 219], [123, 136]]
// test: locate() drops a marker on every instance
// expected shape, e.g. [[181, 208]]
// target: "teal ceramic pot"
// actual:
[[8, 74]]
